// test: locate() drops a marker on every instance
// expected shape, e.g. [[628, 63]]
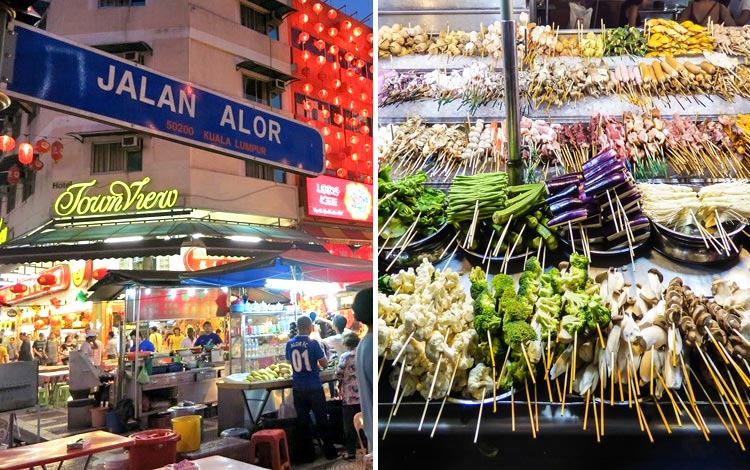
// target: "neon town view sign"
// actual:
[[122, 197]]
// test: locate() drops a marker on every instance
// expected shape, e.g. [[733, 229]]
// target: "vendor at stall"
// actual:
[[189, 340], [145, 344], [175, 340], [92, 348], [208, 336]]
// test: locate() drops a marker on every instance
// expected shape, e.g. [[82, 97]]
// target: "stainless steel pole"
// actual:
[[512, 111]]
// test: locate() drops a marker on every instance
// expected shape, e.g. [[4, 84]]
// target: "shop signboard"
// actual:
[[170, 304], [61, 272], [195, 258], [341, 199], [122, 197], [57, 73]]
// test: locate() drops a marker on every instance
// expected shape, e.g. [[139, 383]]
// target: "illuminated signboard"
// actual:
[[61, 272], [122, 197], [339, 199], [170, 304]]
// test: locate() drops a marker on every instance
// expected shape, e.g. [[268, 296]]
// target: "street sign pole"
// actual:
[[54, 72]]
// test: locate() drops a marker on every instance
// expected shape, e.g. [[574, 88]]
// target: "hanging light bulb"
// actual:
[[337, 100], [360, 63], [320, 44], [329, 165], [349, 57], [346, 24], [369, 38], [317, 8], [354, 122], [341, 173], [332, 14], [305, 55]]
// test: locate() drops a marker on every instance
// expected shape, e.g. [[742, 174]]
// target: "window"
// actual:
[[121, 3], [11, 198], [258, 21], [29, 183], [264, 172], [111, 157], [262, 91]]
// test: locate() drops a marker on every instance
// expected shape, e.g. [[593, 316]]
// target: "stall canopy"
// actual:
[[297, 265]]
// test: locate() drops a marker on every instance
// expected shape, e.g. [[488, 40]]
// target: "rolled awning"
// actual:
[[338, 234]]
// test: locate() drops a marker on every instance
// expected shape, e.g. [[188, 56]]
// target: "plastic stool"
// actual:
[[60, 394], [43, 396], [275, 439]]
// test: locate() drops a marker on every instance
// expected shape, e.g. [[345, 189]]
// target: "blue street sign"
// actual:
[[79, 80]]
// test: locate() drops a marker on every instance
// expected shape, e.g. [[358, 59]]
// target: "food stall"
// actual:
[[160, 297], [262, 390], [631, 179]]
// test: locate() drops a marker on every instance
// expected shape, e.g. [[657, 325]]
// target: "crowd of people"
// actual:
[[317, 341], [50, 350]]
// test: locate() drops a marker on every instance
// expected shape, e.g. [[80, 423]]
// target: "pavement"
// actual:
[[53, 425]]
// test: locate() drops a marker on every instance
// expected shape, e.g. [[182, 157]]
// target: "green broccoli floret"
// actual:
[[547, 314], [551, 283], [486, 317], [528, 286], [532, 265], [572, 323], [478, 282], [514, 308], [516, 371], [579, 260], [577, 277], [600, 315], [577, 304], [501, 283], [517, 332], [484, 351], [384, 284]]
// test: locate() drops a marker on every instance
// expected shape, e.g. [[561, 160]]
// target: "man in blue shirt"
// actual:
[[306, 357], [208, 336], [145, 344], [362, 307]]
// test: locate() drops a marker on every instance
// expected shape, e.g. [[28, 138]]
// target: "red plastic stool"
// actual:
[[271, 444]]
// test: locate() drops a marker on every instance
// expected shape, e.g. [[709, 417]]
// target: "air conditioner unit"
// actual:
[[134, 56], [280, 84], [132, 142]]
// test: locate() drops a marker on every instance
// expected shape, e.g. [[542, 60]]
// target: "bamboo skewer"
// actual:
[[512, 409], [432, 389], [528, 363], [531, 412], [479, 419], [494, 379]]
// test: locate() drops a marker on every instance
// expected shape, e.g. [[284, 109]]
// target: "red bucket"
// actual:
[[154, 448]]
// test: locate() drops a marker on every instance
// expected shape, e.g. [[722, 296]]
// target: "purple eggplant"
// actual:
[[565, 205], [637, 223], [605, 168], [609, 182], [629, 198], [569, 191], [600, 158], [639, 236], [556, 187], [573, 216]]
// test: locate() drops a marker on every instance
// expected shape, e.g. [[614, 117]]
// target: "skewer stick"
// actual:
[[382, 364], [536, 409], [573, 361], [643, 418], [559, 391], [687, 411], [612, 382], [403, 348], [528, 363], [630, 396], [448, 246], [450, 258], [502, 369], [663, 418], [432, 389], [398, 385], [506, 261], [496, 251], [740, 402], [564, 389], [385, 244], [731, 421], [388, 221], [601, 336], [531, 412], [479, 419], [572, 240], [442, 405], [512, 409], [677, 412], [716, 345], [716, 410], [619, 382], [489, 244], [596, 419], [548, 365], [651, 373], [601, 405], [494, 378], [586, 407], [472, 228]]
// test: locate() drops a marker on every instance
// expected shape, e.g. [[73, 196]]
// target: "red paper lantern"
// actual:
[[18, 288], [332, 14], [320, 44], [57, 145], [37, 165], [338, 249], [368, 180], [42, 146], [25, 153], [317, 8], [54, 320], [333, 32], [99, 274], [7, 143], [321, 60], [305, 18], [39, 324], [334, 49], [341, 173], [363, 252], [365, 130], [354, 157], [303, 37], [46, 279], [357, 31], [369, 38], [319, 27], [56, 155], [14, 174], [55, 302], [71, 317], [346, 24]]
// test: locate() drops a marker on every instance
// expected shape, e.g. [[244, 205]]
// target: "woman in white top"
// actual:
[[112, 349], [189, 340], [740, 10]]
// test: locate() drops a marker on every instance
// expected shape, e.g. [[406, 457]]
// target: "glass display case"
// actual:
[[258, 333]]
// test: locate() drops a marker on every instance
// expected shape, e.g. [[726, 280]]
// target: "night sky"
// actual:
[[359, 9]]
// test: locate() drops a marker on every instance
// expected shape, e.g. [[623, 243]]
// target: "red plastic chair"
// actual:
[[270, 443]]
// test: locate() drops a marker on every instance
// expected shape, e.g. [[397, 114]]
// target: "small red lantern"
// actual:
[[318, 27], [7, 143], [25, 153], [317, 8], [39, 324], [320, 44], [18, 288], [87, 316], [338, 249], [46, 279], [332, 14], [56, 151], [303, 37], [333, 32], [346, 24], [357, 31], [99, 274], [42, 146], [55, 302], [14, 174], [71, 317], [365, 130], [368, 179], [341, 173], [36, 165], [54, 320]]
